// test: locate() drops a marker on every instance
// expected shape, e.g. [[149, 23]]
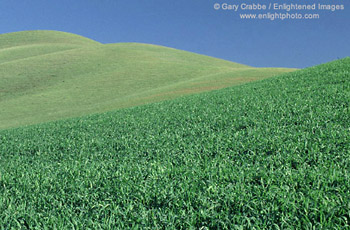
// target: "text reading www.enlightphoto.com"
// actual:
[[279, 11]]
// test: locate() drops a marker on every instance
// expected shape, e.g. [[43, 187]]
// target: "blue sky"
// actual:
[[192, 25]]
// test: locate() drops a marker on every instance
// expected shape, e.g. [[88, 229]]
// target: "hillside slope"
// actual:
[[40, 37], [48, 75], [269, 153]]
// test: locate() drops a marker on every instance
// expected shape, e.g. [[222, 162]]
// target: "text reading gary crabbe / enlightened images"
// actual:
[[278, 6], [280, 11]]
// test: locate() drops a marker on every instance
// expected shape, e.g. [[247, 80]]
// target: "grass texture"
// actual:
[[273, 154], [48, 75]]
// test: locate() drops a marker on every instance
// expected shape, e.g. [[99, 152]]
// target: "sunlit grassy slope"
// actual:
[[48, 75], [272, 154]]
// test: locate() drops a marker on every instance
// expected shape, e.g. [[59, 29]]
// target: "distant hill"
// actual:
[[50, 75]]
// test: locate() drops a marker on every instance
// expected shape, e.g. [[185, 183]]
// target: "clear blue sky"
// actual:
[[191, 25]]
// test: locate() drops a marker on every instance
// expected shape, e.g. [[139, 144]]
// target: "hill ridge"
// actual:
[[42, 36], [84, 76]]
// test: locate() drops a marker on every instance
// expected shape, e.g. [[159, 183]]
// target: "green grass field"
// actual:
[[272, 154], [48, 75]]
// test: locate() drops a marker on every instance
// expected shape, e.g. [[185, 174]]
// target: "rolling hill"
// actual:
[[50, 75], [271, 154]]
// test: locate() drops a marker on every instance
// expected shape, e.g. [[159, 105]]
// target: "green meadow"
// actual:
[[269, 154], [49, 75]]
